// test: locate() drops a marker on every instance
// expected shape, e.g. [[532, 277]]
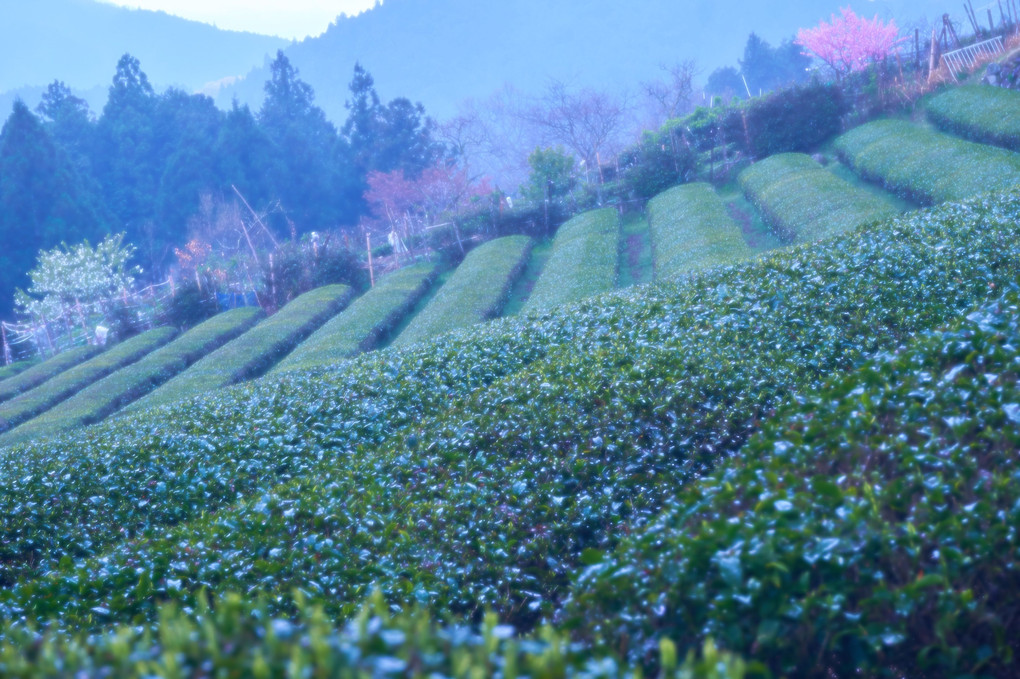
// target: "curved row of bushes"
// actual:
[[583, 261], [980, 113], [477, 290], [39, 373], [804, 202], [926, 166], [101, 399], [71, 381], [255, 351], [691, 229], [489, 468], [15, 369], [367, 322]]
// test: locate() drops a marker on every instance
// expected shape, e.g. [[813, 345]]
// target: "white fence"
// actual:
[[962, 60]]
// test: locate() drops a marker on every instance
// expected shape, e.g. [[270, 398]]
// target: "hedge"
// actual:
[[980, 113], [368, 321], [583, 261], [257, 350], [926, 166], [691, 230], [15, 368], [477, 290], [73, 380], [110, 394], [39, 373], [804, 202]]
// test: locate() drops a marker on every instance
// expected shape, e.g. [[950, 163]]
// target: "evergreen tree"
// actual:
[[42, 200], [70, 124]]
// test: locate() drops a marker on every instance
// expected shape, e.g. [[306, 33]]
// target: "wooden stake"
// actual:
[[931, 57], [991, 20], [371, 271], [7, 350], [255, 215]]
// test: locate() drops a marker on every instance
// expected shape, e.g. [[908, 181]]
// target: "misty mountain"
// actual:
[[441, 52], [80, 41]]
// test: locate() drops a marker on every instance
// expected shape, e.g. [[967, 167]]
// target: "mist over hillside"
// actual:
[[441, 52], [80, 41]]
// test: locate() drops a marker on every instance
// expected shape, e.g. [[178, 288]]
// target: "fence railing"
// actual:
[[963, 59]]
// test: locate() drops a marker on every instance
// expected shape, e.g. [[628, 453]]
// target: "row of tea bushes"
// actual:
[[491, 467], [979, 112], [236, 637], [583, 261], [802, 201], [15, 368], [872, 529], [254, 352], [40, 372], [367, 322], [73, 380], [476, 292], [691, 230], [926, 166], [101, 399]]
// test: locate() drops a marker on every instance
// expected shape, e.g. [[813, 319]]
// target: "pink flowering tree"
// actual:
[[849, 43]]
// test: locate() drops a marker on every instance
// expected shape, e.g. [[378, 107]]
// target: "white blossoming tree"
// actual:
[[72, 284]]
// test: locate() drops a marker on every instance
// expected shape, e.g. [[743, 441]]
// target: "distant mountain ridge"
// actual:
[[80, 41], [441, 52]]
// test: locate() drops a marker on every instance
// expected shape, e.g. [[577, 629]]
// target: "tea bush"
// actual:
[[477, 290], [692, 230], [803, 201], [256, 350], [369, 320], [926, 166], [39, 373], [15, 368], [979, 112], [583, 261]]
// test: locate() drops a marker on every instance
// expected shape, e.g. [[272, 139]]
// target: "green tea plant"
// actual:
[[15, 369], [369, 320], [692, 230], [583, 261], [255, 351], [477, 290], [39, 373], [96, 402], [804, 202], [980, 113], [926, 166]]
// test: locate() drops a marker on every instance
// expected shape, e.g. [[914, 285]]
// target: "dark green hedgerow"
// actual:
[[979, 112], [101, 399], [238, 638], [926, 166], [804, 202], [368, 320], [39, 373], [692, 230], [254, 352], [583, 261], [476, 292], [871, 529], [73, 380], [485, 469], [15, 369]]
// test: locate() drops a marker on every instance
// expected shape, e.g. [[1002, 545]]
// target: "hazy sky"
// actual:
[[293, 19]]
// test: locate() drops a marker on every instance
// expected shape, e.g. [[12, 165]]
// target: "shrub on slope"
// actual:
[[583, 261], [39, 373], [979, 112], [804, 202], [927, 166], [489, 467], [870, 529], [73, 380], [477, 290], [369, 319], [111, 393], [255, 351], [15, 369], [692, 230]]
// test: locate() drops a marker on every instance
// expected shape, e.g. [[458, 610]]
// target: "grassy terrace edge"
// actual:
[[39, 373], [691, 229], [981, 113]]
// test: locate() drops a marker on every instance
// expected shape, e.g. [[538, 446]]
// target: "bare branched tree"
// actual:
[[671, 95]]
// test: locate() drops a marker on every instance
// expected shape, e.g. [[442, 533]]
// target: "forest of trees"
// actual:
[[143, 164]]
